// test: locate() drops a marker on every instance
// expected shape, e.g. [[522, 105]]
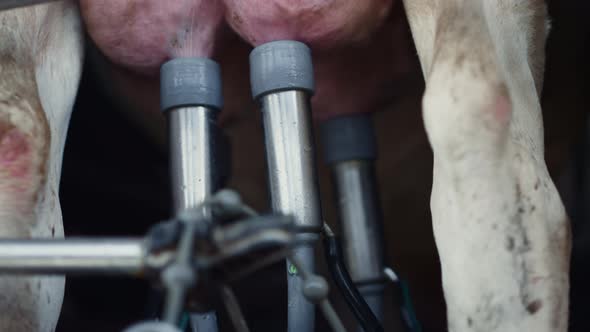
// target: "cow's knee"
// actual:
[[466, 114]]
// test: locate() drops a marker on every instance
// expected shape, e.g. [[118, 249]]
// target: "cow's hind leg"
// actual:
[[40, 65], [499, 224]]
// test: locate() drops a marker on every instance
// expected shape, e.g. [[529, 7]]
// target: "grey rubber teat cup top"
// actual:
[[348, 137], [281, 65], [190, 82]]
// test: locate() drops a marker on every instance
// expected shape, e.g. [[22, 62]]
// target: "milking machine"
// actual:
[[213, 238]]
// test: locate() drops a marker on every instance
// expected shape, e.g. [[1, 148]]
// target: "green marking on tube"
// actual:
[[292, 269]]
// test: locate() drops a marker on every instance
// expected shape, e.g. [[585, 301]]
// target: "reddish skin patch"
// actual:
[[15, 153], [502, 109], [17, 169], [12, 145]]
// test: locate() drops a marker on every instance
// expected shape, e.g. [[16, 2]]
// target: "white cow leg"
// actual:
[[40, 66], [499, 223]]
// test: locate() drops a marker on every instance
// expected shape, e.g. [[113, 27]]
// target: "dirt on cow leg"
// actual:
[[504, 246]]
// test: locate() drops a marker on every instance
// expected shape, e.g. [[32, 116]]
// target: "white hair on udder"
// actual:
[[183, 44], [197, 29]]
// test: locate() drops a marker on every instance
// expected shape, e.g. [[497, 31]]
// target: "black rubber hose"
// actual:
[[357, 304]]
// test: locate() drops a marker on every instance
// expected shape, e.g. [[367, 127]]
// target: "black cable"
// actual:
[[357, 304]]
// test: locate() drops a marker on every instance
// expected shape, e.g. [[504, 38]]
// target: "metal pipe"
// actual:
[[281, 76], [192, 165], [81, 256], [350, 149], [290, 157], [359, 216], [10, 4], [191, 97]]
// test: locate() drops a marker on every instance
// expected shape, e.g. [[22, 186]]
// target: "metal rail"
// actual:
[[11, 4], [78, 256]]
